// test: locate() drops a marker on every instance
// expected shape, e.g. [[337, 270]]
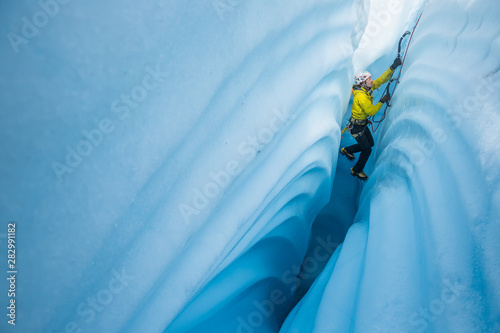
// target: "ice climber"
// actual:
[[362, 108]]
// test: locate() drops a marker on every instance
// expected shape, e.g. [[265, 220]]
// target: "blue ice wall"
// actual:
[[169, 167], [423, 253], [147, 147]]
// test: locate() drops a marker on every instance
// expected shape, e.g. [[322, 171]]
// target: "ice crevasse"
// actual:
[[176, 167]]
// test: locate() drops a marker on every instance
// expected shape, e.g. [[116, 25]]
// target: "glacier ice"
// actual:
[[421, 255], [172, 167]]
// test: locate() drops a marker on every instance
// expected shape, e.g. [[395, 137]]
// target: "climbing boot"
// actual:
[[347, 154], [361, 175]]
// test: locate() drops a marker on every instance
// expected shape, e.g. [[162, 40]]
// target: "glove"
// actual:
[[396, 63], [385, 98]]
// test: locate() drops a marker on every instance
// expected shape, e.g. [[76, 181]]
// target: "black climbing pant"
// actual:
[[364, 145]]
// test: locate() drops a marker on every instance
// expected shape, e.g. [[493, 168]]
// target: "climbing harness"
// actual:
[[360, 122], [387, 88]]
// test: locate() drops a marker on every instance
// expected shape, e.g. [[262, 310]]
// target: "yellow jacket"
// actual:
[[362, 103]]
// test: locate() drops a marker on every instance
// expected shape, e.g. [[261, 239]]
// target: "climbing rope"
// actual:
[[387, 88]]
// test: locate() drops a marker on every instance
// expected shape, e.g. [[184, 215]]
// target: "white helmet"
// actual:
[[361, 77]]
